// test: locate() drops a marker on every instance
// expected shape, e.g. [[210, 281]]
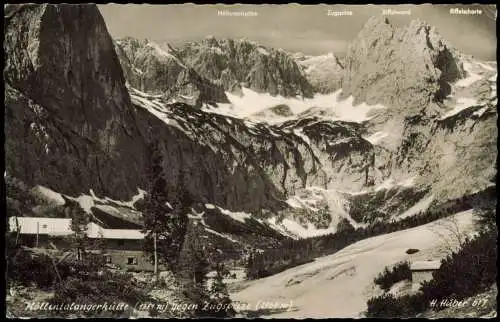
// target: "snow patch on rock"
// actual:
[[50, 194], [471, 78], [462, 104], [376, 137], [236, 215]]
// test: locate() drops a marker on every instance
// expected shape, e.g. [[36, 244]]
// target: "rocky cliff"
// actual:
[[235, 63], [290, 156], [69, 122], [404, 68], [156, 69], [435, 96]]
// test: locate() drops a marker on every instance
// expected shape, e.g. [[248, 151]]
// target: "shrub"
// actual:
[[103, 287], [389, 306], [27, 268], [388, 278]]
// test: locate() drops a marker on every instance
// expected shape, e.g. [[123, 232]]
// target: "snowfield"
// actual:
[[330, 106], [387, 184], [236, 215], [312, 199], [339, 285], [293, 229]]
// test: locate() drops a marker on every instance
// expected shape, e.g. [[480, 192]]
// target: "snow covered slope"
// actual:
[[340, 284]]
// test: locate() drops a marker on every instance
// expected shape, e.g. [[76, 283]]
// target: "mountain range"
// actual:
[[269, 142]]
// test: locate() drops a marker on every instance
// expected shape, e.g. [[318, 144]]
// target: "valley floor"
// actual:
[[339, 285]]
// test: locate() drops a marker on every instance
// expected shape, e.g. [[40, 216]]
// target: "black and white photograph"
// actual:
[[281, 161]]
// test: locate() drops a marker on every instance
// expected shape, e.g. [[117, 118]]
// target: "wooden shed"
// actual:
[[421, 271]]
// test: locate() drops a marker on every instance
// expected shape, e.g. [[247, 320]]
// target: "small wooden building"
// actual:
[[421, 271]]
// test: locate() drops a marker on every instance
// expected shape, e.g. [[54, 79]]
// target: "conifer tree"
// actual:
[[79, 222], [485, 209], [221, 304], [193, 267], [163, 221], [250, 269], [182, 203]]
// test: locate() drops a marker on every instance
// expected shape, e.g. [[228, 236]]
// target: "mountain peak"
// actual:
[[416, 56], [211, 41], [158, 69], [418, 24], [378, 20], [232, 62], [376, 23]]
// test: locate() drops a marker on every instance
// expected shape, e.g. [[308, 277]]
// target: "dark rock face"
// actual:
[[67, 99], [404, 68], [347, 160], [233, 63], [156, 70], [384, 203], [207, 163]]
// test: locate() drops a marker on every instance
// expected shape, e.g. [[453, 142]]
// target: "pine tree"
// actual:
[[193, 268], [485, 209], [161, 220], [179, 217], [221, 304], [79, 221], [251, 265], [344, 225]]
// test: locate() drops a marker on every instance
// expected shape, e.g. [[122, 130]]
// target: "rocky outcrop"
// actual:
[[347, 160], [235, 63], [156, 69], [324, 72], [405, 68], [462, 152]]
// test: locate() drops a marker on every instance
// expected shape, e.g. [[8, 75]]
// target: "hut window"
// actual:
[[132, 261]]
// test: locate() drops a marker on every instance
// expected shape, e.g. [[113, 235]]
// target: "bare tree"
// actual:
[[450, 232]]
